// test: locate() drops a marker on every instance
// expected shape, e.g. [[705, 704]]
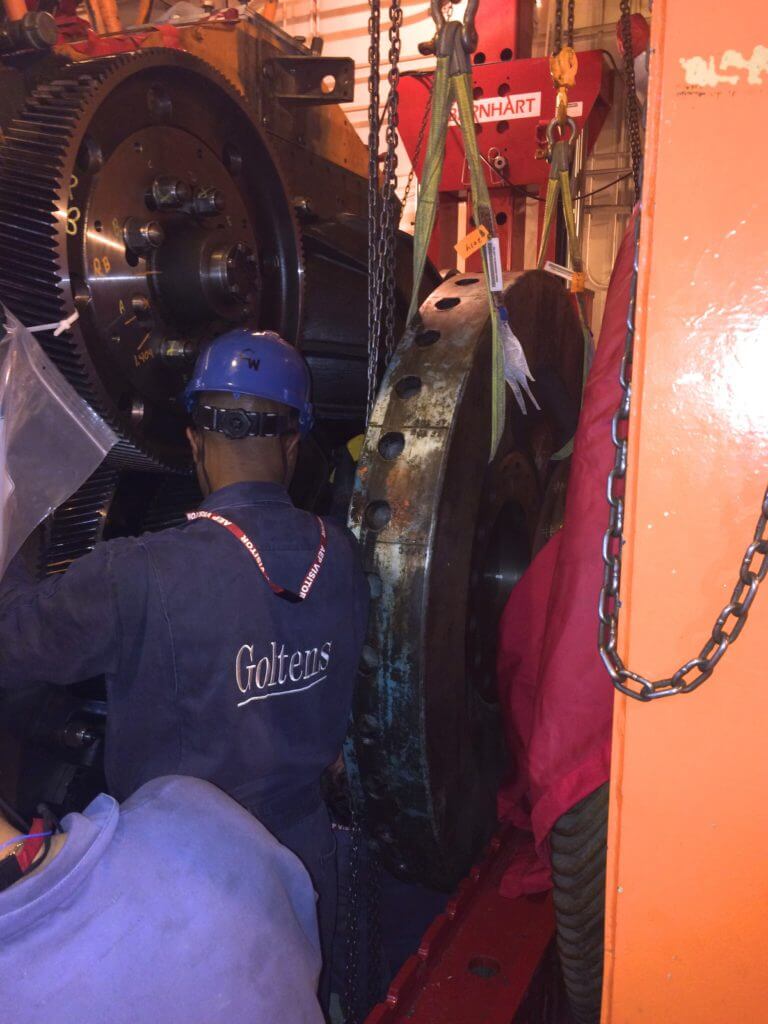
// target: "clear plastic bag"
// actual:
[[50, 439]]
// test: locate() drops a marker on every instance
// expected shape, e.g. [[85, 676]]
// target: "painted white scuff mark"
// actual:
[[706, 71], [755, 67]]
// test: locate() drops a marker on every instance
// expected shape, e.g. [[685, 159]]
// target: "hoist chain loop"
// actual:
[[632, 107], [390, 206], [417, 149], [752, 572], [557, 42], [383, 205], [374, 125], [569, 36]]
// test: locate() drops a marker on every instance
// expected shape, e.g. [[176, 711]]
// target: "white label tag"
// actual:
[[510, 108], [492, 252]]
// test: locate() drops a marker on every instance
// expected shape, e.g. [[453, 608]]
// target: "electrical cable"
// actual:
[[602, 188], [23, 839]]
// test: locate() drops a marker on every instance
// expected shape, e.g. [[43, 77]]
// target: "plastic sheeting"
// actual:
[[50, 439], [556, 696]]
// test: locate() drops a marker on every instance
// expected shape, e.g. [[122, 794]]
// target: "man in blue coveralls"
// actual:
[[230, 644]]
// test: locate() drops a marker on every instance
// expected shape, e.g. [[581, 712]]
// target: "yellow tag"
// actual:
[[563, 67], [578, 282], [472, 242]]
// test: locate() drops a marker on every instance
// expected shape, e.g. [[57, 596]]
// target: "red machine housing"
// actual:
[[514, 100]]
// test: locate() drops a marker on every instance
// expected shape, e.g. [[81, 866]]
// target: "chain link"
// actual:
[[390, 205], [417, 149], [632, 112], [352, 1008], [383, 205], [374, 945], [374, 126], [557, 42], [753, 569], [569, 37]]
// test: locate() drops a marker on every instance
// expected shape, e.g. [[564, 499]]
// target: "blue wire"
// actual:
[[23, 839]]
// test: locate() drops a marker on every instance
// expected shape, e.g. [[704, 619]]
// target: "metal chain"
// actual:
[[417, 149], [374, 948], [352, 928], [557, 42], [731, 619], [632, 112], [390, 206], [374, 125], [382, 202], [569, 36]]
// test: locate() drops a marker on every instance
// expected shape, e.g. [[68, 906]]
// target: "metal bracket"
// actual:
[[311, 80]]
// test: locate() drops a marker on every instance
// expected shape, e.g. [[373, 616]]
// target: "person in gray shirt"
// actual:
[[177, 906]]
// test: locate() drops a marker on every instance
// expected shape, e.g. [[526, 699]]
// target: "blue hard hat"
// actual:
[[256, 363]]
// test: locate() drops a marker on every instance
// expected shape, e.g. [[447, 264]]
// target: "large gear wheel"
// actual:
[[138, 191]]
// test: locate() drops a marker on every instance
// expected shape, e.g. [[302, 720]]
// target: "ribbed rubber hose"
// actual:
[[578, 847]]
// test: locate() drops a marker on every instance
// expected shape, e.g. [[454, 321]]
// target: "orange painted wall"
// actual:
[[687, 922]]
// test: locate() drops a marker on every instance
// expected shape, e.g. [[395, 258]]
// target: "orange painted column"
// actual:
[[687, 890]]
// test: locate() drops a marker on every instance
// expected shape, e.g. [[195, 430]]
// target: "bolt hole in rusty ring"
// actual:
[[408, 387], [447, 536], [378, 515], [391, 445]]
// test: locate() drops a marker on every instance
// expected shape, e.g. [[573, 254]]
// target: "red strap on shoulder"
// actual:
[[311, 575], [31, 847]]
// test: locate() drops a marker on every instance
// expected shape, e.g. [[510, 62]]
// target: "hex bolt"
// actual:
[[208, 202], [168, 193], [140, 305], [142, 237], [175, 351]]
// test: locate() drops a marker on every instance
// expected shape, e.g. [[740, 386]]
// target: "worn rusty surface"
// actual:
[[316, 143], [426, 746]]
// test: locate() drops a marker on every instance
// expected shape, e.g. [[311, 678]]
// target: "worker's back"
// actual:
[[219, 676], [209, 671], [229, 645]]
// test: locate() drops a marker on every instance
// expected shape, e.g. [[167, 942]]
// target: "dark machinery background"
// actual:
[[169, 192]]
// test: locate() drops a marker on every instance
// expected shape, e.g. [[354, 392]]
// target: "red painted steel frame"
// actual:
[[477, 959], [518, 95], [687, 888]]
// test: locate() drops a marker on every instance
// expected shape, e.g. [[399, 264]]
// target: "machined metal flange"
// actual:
[[445, 536]]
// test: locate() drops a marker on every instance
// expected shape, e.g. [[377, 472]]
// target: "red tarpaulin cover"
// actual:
[[555, 693]]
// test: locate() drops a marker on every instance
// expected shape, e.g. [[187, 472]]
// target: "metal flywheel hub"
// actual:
[[138, 191]]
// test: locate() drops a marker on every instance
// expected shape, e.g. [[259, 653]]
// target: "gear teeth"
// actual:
[[32, 159], [77, 525], [36, 147]]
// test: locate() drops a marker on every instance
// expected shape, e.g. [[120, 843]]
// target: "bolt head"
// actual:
[[154, 234]]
